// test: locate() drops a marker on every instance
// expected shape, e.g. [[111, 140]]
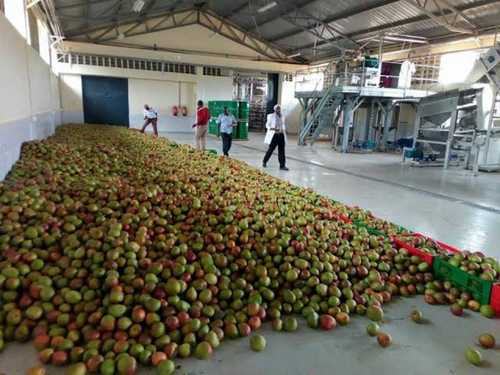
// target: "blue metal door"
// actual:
[[105, 100]]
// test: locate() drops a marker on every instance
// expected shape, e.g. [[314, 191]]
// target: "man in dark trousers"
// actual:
[[226, 122], [150, 117], [276, 137]]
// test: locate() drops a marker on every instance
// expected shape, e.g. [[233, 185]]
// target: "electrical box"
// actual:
[[491, 58]]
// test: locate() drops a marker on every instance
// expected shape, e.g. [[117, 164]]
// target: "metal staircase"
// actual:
[[322, 116], [327, 118]]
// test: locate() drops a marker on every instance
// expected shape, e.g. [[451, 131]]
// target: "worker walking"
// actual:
[[226, 122], [201, 126], [276, 137], [150, 117]]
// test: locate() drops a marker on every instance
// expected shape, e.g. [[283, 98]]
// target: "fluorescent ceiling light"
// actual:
[[267, 7], [407, 36], [294, 55], [403, 39], [138, 5]]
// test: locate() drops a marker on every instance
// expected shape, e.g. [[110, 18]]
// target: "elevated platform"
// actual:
[[374, 92]]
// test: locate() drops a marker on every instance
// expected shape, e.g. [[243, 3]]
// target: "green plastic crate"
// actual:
[[242, 130], [371, 231], [213, 127], [479, 288], [220, 104], [244, 105], [215, 112], [244, 109]]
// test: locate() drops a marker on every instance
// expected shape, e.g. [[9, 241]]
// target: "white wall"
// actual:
[[290, 105], [29, 98], [194, 38], [207, 87], [158, 89], [15, 13], [360, 124], [162, 96], [14, 88], [242, 64], [70, 86], [407, 116]]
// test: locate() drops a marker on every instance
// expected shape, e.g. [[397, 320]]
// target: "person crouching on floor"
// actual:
[[150, 117]]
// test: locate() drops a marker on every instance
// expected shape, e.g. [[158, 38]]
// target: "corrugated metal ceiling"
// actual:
[[288, 25]]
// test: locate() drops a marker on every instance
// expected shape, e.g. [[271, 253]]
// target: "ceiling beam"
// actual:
[[140, 27], [483, 39], [238, 9], [79, 4], [229, 30], [408, 21], [440, 17], [315, 26], [117, 19], [200, 16], [336, 17], [285, 13]]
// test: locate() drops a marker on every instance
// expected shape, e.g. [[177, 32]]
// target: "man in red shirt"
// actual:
[[201, 126]]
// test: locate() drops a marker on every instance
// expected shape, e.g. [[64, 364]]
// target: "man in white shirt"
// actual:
[[276, 137], [226, 122], [150, 117]]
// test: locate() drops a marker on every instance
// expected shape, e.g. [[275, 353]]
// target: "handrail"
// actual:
[[322, 102], [361, 76]]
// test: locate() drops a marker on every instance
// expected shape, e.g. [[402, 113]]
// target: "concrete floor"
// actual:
[[451, 206]]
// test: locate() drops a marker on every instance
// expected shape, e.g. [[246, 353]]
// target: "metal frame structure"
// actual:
[[174, 19], [436, 15], [448, 16], [323, 31], [243, 23]]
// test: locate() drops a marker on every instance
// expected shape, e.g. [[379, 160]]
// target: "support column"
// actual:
[[372, 121], [304, 103], [347, 122], [453, 124], [389, 111], [491, 120], [369, 114]]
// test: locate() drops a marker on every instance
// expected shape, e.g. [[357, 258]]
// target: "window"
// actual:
[[126, 63], [215, 72]]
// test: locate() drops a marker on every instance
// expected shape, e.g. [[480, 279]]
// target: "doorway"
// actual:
[[105, 100]]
